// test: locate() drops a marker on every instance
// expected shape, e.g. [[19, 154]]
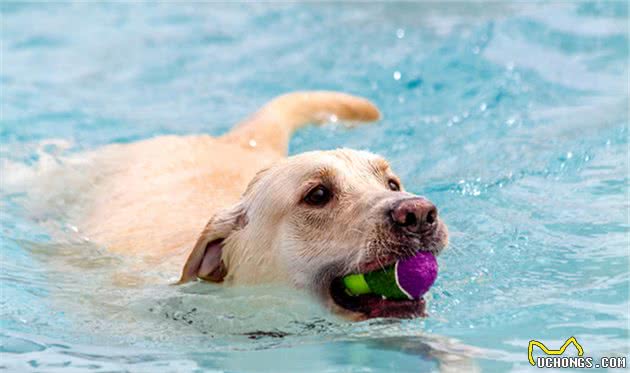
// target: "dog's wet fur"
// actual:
[[242, 212]]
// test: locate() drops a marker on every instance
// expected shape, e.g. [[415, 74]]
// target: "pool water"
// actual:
[[511, 117]]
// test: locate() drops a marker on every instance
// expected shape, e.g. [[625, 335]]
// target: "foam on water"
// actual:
[[512, 118]]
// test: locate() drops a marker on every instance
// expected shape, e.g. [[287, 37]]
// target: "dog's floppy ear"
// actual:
[[205, 260]]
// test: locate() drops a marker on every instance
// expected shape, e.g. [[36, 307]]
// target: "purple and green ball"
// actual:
[[406, 279]]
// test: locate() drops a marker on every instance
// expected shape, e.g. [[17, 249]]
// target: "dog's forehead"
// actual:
[[341, 162], [345, 169]]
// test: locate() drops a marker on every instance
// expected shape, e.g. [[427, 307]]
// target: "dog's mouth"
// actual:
[[370, 305], [375, 306]]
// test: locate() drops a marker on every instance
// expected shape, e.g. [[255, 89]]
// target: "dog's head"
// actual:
[[313, 218]]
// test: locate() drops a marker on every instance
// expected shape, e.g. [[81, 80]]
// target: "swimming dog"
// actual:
[[242, 212]]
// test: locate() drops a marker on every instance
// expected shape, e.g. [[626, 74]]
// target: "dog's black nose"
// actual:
[[413, 214]]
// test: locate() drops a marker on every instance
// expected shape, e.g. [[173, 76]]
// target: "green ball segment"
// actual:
[[381, 282]]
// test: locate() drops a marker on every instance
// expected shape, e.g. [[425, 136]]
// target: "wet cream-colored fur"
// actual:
[[152, 199]]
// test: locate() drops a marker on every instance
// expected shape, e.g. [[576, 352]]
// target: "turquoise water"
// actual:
[[511, 117]]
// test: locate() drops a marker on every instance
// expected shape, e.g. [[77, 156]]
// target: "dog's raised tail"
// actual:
[[271, 127]]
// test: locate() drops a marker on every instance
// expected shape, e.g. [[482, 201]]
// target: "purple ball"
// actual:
[[416, 275]]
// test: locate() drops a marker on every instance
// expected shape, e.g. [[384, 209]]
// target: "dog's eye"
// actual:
[[393, 185], [318, 196]]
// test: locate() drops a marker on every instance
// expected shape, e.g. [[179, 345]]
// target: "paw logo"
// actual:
[[560, 351]]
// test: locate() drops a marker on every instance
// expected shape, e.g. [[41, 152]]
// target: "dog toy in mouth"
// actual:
[[406, 279]]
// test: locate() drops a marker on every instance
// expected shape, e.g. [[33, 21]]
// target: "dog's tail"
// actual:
[[271, 127]]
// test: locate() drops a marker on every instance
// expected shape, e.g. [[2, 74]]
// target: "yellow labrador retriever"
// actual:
[[251, 215]]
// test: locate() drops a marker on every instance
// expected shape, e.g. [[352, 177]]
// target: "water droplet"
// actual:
[[400, 33], [569, 155], [483, 106], [397, 75]]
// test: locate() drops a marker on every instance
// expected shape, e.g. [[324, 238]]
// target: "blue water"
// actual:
[[511, 117]]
